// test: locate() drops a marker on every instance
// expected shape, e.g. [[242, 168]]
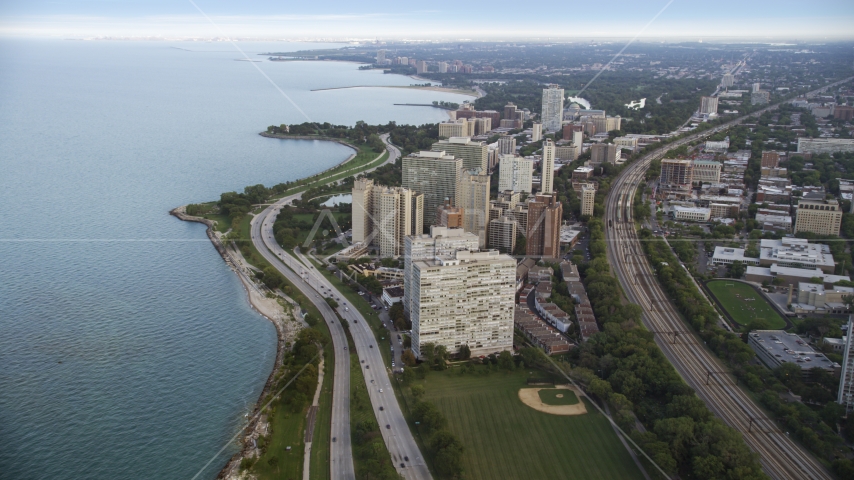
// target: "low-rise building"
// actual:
[[691, 214], [729, 255], [776, 347], [392, 295], [774, 223], [796, 253], [815, 298]]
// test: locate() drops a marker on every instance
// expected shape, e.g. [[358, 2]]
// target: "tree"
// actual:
[[417, 391], [505, 360], [447, 453], [408, 358], [465, 352], [737, 269]]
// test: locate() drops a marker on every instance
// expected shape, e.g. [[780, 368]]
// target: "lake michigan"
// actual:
[[127, 347]]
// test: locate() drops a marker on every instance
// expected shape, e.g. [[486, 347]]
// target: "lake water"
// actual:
[[127, 347], [336, 199]]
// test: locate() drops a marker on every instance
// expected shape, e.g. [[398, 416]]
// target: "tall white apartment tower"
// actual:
[[465, 299], [536, 132], [552, 115], [440, 241], [728, 80], [398, 212], [515, 173], [547, 180], [473, 198], [507, 145], [363, 208], [846, 379], [380, 57], [588, 199]]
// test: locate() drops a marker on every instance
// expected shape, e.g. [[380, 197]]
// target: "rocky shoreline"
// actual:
[[264, 306]]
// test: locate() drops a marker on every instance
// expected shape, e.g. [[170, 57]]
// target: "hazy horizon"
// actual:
[[385, 20]]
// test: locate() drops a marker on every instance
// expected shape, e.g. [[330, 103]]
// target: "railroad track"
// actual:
[[780, 457]]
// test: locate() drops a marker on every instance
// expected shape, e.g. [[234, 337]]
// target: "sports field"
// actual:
[[744, 304], [553, 396], [503, 438]]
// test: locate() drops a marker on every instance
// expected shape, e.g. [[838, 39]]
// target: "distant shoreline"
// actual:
[[435, 89]]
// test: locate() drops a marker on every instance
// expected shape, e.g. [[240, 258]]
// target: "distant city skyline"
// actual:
[[385, 19]]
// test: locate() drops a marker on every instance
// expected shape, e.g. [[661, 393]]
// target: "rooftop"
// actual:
[[785, 347]]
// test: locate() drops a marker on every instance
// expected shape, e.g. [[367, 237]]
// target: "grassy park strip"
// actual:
[[745, 305]]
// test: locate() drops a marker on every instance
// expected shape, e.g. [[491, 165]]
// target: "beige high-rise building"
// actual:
[[604, 153], [588, 199], [770, 159], [536, 132], [383, 216], [507, 145], [465, 299], [398, 213], [706, 171], [473, 198], [449, 216], [474, 154], [728, 80], [567, 152], [362, 210], [547, 179], [545, 213], [515, 173], [420, 66], [440, 241], [709, 105], [462, 127], [552, 113], [508, 204], [434, 174], [482, 125], [676, 175], [822, 217], [502, 234]]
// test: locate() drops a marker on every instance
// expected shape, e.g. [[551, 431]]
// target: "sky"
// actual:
[[388, 19]]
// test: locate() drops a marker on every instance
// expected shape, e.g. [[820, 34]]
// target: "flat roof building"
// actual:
[[436, 175], [728, 255], [776, 347], [822, 217], [465, 299], [796, 253], [846, 378], [515, 173], [473, 154]]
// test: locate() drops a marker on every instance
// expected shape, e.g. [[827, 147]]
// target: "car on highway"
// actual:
[[388, 426], [334, 438], [371, 346], [402, 465], [381, 390], [381, 408]]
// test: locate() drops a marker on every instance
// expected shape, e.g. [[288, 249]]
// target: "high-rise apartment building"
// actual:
[[436, 175], [544, 219], [709, 105], [728, 80], [676, 175], [515, 173], [362, 210], [552, 113], [547, 177], [512, 112], [603, 123], [443, 67], [770, 159], [449, 216], [754, 88], [462, 127], [820, 216], [465, 299], [508, 204], [383, 216], [507, 145], [588, 198], [706, 171], [397, 213], [441, 241], [502, 234], [604, 153], [846, 378], [380, 57], [473, 198], [567, 152], [473, 154], [536, 132], [420, 66]]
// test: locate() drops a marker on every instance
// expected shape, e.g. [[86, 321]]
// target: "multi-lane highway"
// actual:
[[405, 453], [780, 456]]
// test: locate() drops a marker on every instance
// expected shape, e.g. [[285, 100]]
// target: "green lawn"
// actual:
[[557, 396], [505, 439], [744, 304]]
